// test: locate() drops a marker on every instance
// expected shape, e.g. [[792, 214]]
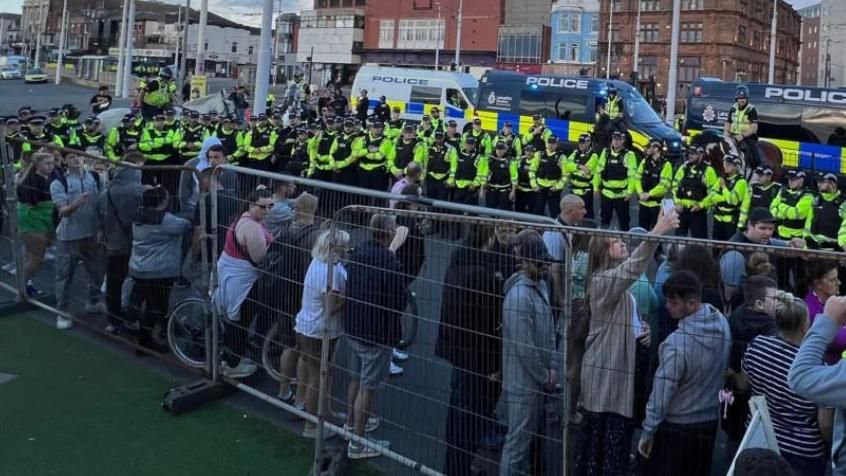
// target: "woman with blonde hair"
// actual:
[[35, 213], [317, 303], [615, 336]]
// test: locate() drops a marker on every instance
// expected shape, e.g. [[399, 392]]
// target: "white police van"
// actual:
[[417, 91]]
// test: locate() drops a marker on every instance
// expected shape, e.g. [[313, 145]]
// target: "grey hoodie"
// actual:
[[117, 206], [528, 334], [823, 384], [189, 191], [693, 360], [82, 223], [157, 248]]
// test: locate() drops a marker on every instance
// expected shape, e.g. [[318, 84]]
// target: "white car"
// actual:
[[10, 72]]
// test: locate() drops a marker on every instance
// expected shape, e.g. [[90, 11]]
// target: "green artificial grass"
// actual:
[[75, 409]]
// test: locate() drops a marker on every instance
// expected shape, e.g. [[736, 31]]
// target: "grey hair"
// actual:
[[382, 224], [326, 241]]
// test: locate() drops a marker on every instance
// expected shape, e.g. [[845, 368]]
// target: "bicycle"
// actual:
[[186, 331]]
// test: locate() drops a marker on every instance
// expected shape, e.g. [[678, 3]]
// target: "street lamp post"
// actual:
[[673, 79], [459, 21], [200, 65], [127, 62], [263, 67], [40, 30], [773, 34], [610, 24], [438, 39], [121, 48], [62, 31], [636, 64]]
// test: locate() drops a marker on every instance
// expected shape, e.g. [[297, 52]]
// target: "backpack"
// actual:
[[282, 271], [63, 179]]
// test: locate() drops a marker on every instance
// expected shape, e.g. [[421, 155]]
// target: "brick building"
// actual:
[[809, 55], [727, 39]]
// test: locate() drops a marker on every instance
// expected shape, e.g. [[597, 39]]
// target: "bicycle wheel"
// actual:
[[186, 331], [271, 352]]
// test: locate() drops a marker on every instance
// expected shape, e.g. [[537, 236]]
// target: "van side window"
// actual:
[[455, 99], [552, 105], [426, 95]]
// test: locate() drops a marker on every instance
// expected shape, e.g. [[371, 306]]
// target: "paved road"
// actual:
[[42, 97]]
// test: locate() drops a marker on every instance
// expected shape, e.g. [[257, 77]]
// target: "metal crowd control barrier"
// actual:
[[92, 256], [412, 407]]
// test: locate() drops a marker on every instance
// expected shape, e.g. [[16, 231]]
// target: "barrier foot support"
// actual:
[[333, 461], [185, 398]]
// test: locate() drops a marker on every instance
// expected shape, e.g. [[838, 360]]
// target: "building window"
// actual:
[[420, 34], [648, 67], [615, 34], [691, 33], [593, 52], [568, 22], [650, 5], [741, 35], [206, 46], [594, 22], [515, 44], [386, 34], [691, 4], [250, 50], [649, 32], [234, 46], [568, 52], [688, 69]]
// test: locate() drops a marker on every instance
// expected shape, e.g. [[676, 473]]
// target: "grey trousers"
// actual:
[[68, 255], [523, 414]]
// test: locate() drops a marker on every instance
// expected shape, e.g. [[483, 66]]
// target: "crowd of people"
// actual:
[[660, 339]]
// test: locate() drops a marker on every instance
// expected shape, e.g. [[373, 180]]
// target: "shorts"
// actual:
[[370, 363], [312, 348]]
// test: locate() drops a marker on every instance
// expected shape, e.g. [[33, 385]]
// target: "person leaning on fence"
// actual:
[[210, 155], [376, 295], [529, 364], [682, 414], [321, 312], [247, 241], [155, 262], [824, 384], [616, 334], [75, 196], [117, 206], [35, 214], [802, 429]]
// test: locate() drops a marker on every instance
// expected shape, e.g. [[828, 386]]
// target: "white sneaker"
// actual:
[[355, 451], [49, 256], [63, 324], [395, 370], [245, 368], [10, 268], [400, 356], [372, 424]]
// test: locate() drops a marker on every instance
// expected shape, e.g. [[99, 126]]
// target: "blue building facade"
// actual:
[[575, 32]]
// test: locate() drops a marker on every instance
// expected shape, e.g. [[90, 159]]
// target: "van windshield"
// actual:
[[471, 94], [640, 112]]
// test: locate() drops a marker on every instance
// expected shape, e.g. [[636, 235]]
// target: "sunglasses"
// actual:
[[264, 207]]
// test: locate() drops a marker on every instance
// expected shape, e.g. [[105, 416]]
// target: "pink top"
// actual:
[[834, 352], [245, 238]]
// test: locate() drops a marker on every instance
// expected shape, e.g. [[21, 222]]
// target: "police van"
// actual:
[[417, 91], [569, 105], [807, 125]]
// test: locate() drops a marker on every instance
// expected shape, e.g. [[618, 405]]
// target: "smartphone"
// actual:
[[668, 205]]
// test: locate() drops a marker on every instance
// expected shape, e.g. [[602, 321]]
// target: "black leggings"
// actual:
[[149, 303]]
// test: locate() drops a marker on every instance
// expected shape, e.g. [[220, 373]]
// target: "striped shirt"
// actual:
[[766, 363]]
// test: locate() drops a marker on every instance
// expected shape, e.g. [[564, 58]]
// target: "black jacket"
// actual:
[[471, 313], [746, 324], [375, 295]]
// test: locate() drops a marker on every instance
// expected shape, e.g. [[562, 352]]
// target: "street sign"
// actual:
[[199, 86]]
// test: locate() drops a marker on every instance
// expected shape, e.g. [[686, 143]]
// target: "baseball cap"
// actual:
[[36, 120], [795, 174], [439, 133], [733, 159], [12, 120], [763, 170], [170, 112], [584, 138], [193, 114], [435, 109], [829, 176], [348, 121], [158, 117], [618, 135], [470, 140], [452, 124], [426, 118], [760, 215], [551, 139], [408, 128], [507, 124], [501, 145], [376, 124], [396, 109], [477, 121], [536, 116], [53, 112], [534, 249], [655, 141], [528, 148]]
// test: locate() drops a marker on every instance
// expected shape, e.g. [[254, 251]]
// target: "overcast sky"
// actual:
[[249, 11]]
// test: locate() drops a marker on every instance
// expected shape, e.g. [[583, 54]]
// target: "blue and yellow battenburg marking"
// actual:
[[805, 155], [494, 121]]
